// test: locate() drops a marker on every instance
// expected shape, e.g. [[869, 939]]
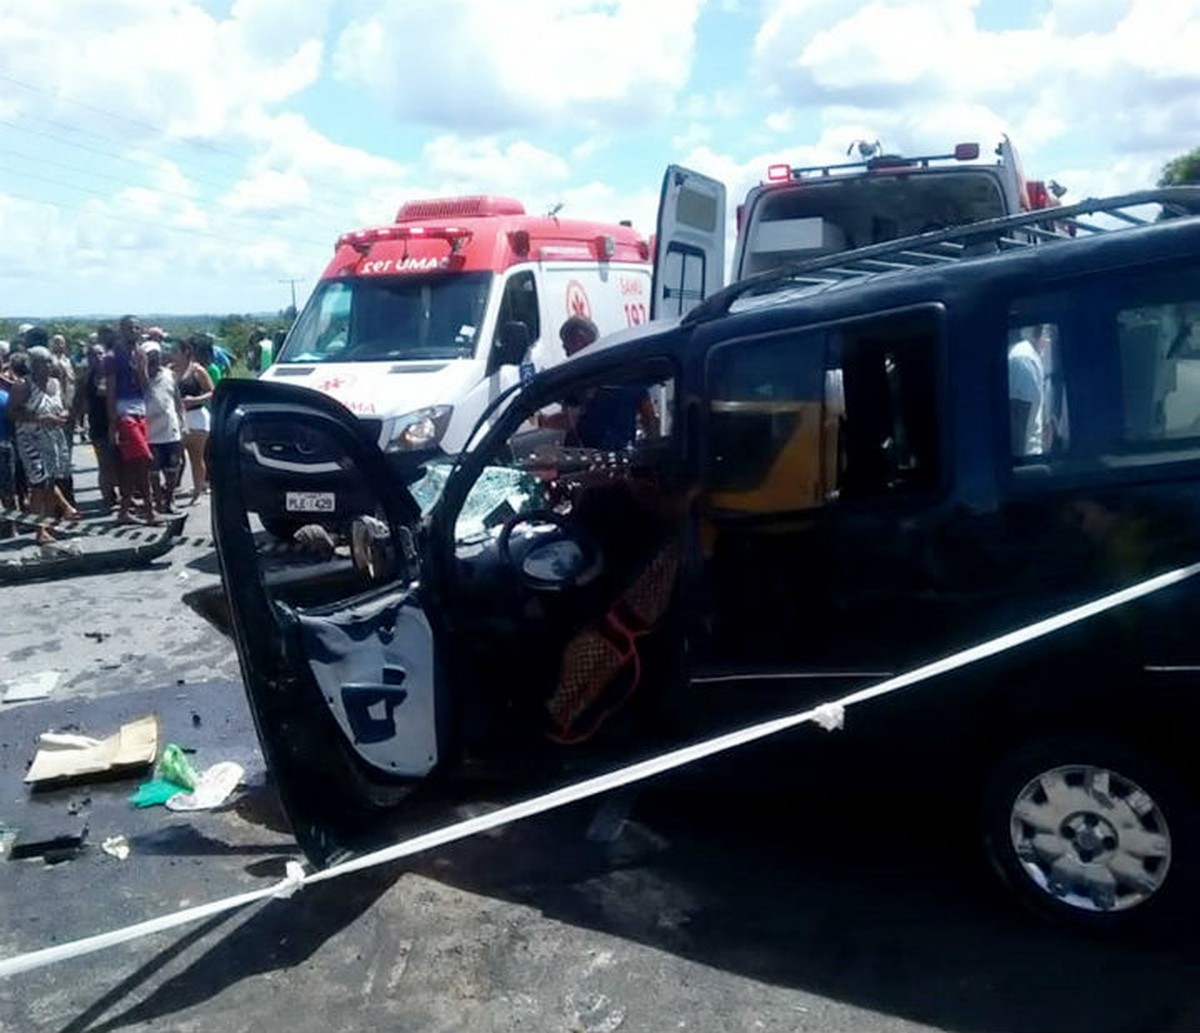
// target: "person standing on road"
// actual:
[[8, 459], [64, 374], [64, 370], [206, 355], [195, 388], [41, 436], [91, 401], [164, 421], [125, 386]]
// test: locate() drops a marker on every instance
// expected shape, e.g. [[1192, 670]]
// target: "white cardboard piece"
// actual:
[[31, 686], [134, 746]]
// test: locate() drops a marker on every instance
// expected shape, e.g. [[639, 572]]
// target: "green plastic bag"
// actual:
[[175, 767], [156, 791]]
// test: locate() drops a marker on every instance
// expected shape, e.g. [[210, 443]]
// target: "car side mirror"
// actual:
[[511, 345]]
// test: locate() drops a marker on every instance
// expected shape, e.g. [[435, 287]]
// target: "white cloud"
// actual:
[[478, 64], [140, 65], [467, 164], [1124, 71]]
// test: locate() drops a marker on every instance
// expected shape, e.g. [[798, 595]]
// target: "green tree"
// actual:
[[1182, 171]]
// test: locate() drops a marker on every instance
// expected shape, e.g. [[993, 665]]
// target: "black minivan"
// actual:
[[817, 479]]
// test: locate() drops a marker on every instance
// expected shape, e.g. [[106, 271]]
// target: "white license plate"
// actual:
[[309, 501]]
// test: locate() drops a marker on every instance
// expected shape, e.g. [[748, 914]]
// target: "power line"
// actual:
[[139, 123], [330, 213], [160, 226]]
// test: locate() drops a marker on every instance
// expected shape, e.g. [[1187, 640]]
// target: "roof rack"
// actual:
[[939, 247], [961, 153]]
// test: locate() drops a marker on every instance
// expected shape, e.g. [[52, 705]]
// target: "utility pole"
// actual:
[[293, 283]]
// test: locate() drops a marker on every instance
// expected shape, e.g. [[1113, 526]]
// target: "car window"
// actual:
[[1158, 344], [1038, 417], [606, 434], [799, 419], [520, 304]]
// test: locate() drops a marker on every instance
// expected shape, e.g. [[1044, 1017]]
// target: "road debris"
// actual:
[[153, 793], [175, 775], [31, 687], [213, 787], [175, 767], [66, 758], [50, 835], [116, 846]]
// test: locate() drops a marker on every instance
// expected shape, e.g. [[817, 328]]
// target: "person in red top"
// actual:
[[125, 386]]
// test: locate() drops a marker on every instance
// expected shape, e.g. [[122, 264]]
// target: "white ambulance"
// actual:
[[415, 326], [798, 214]]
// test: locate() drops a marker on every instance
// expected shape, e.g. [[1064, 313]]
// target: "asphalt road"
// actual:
[[727, 901]]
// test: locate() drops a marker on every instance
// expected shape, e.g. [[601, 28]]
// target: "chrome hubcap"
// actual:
[[1091, 838]]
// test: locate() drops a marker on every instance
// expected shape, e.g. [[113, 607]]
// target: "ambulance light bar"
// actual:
[[361, 240], [475, 206]]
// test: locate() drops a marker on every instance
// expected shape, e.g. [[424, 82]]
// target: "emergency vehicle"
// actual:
[[800, 214], [417, 325]]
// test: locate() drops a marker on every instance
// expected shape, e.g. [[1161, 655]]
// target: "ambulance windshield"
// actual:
[[390, 319]]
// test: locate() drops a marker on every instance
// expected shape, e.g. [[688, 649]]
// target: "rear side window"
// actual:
[[1158, 344], [1117, 358], [798, 420]]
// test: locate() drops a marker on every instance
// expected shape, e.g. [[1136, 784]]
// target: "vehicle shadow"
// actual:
[[279, 936], [890, 911]]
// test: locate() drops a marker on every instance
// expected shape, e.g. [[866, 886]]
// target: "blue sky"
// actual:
[[184, 156]]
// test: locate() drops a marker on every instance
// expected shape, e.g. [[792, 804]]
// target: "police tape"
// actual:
[[829, 715]]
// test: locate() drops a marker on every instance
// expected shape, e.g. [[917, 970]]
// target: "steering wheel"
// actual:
[[555, 561]]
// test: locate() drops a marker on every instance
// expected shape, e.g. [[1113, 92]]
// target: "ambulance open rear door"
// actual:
[[689, 247]]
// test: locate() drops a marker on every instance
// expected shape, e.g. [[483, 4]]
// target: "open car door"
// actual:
[[689, 249], [336, 653]]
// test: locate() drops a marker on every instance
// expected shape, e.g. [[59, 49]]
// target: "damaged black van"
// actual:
[[820, 477]]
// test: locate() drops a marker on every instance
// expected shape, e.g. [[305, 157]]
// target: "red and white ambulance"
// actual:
[[415, 326]]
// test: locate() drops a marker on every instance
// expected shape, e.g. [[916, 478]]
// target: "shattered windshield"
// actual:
[[390, 319], [499, 492]]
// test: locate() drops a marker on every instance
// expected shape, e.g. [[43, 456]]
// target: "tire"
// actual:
[[1091, 834]]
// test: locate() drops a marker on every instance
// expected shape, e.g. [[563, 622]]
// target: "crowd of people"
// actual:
[[140, 400]]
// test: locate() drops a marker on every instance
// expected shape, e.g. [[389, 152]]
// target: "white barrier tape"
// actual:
[[829, 715], [91, 944]]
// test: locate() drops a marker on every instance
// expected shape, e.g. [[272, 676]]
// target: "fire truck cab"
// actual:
[[417, 325]]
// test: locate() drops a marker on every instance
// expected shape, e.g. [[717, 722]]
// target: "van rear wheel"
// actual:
[[1090, 834]]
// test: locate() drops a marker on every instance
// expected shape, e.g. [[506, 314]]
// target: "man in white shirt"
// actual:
[[164, 426], [1026, 397]]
